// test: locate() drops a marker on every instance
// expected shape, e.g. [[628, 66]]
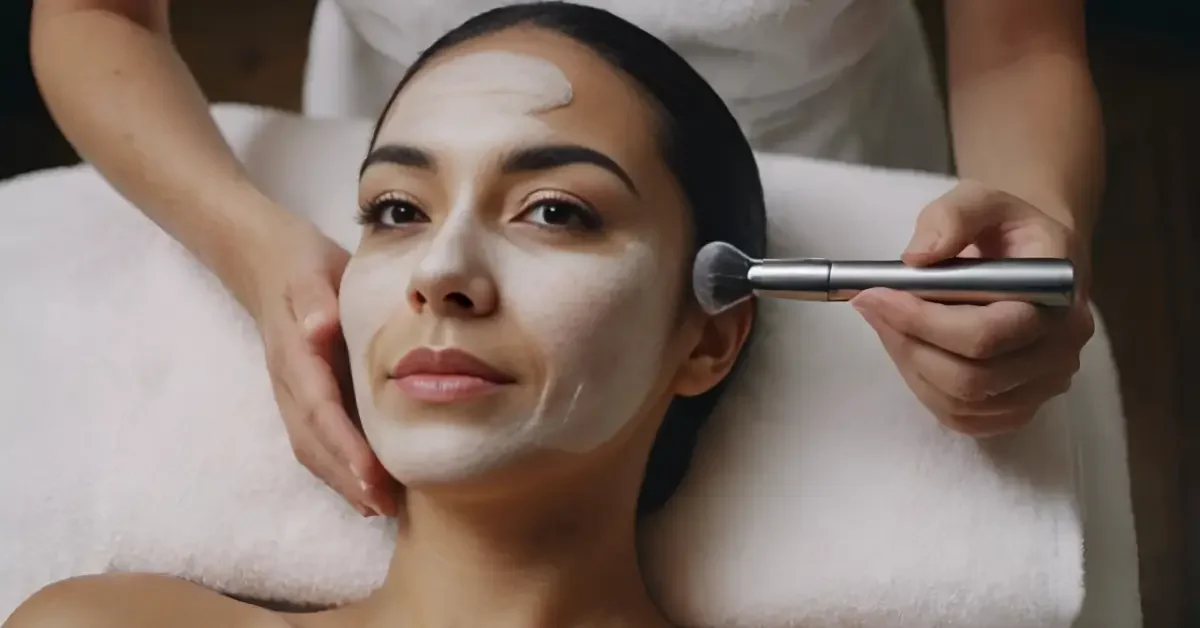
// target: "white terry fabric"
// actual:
[[139, 431], [849, 80]]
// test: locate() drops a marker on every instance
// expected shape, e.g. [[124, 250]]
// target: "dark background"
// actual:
[[1146, 60]]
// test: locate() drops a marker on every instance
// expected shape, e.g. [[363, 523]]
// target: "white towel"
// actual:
[[138, 432]]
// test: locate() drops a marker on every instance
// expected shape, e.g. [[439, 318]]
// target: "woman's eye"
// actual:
[[393, 213], [562, 214]]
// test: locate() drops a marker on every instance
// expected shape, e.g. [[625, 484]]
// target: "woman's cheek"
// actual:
[[374, 288], [601, 325]]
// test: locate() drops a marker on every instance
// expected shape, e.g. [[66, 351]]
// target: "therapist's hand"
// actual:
[[983, 370], [297, 283]]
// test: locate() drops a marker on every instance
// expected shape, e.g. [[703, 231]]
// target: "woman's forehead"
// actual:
[[476, 91], [526, 72]]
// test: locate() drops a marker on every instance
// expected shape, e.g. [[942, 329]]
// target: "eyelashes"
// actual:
[[550, 210], [391, 211], [557, 210]]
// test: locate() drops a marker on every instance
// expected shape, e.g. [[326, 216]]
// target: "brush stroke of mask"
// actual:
[[582, 329]]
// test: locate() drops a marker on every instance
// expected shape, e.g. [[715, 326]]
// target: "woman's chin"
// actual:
[[445, 452]]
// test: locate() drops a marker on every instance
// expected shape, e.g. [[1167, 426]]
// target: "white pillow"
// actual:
[[139, 431]]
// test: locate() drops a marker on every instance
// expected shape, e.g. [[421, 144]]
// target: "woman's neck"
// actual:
[[558, 559]]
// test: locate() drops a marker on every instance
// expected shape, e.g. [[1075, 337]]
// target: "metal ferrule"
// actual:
[[799, 280]]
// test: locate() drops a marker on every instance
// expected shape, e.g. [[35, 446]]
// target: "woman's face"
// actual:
[[519, 283]]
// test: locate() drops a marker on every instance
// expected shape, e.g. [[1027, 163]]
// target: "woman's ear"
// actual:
[[720, 341]]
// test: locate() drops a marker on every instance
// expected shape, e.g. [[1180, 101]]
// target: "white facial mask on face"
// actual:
[[599, 321]]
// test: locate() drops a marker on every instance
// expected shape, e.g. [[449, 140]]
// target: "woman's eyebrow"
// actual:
[[401, 155], [529, 159], [552, 156]]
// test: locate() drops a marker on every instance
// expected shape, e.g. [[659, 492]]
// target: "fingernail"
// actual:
[[362, 510], [366, 489], [373, 509]]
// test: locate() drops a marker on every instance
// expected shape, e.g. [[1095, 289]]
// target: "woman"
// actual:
[[839, 79], [527, 356]]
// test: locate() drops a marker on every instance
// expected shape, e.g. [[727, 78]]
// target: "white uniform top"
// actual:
[[848, 80]]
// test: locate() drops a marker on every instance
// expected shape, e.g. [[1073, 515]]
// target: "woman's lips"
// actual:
[[446, 376], [444, 388]]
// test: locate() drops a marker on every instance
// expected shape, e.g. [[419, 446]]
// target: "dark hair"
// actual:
[[701, 144]]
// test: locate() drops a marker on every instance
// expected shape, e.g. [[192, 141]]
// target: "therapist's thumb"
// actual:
[[955, 221]]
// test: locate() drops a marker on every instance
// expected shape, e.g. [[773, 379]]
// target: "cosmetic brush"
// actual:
[[724, 276]]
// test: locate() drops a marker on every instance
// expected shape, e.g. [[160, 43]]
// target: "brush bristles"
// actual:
[[719, 277]]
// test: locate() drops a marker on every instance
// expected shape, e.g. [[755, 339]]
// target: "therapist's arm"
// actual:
[[1024, 114], [126, 101]]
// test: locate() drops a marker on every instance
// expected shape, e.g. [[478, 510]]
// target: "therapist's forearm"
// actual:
[[125, 99], [1033, 129], [1024, 114]]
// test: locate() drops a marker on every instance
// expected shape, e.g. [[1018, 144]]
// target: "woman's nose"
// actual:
[[453, 279], [453, 294]]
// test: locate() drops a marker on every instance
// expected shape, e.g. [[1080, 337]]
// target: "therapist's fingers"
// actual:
[[324, 465], [978, 332], [309, 452], [894, 343], [303, 416], [996, 415], [380, 486], [326, 389], [953, 221], [1000, 223], [960, 404], [972, 383], [319, 378], [355, 470]]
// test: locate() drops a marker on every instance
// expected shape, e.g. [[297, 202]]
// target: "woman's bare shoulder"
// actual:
[[136, 601]]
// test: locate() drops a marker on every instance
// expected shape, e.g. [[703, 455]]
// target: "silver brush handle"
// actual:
[[1048, 282]]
